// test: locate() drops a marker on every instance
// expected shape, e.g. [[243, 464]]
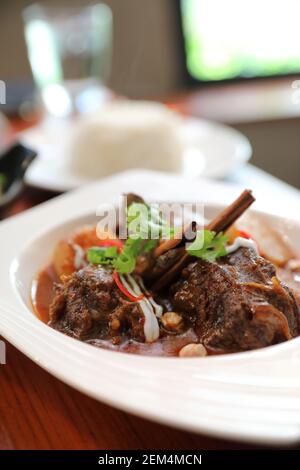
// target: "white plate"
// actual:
[[251, 396], [211, 150]]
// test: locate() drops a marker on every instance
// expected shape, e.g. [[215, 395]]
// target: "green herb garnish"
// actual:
[[101, 255], [208, 245], [145, 228]]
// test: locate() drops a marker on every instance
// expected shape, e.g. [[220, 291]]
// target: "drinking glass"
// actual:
[[70, 50]]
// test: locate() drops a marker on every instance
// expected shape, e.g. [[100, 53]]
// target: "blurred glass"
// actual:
[[70, 50]]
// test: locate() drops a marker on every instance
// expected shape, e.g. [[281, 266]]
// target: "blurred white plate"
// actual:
[[211, 150]]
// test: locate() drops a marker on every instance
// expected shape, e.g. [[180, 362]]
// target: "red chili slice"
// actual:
[[245, 235], [249, 237], [110, 242], [124, 290]]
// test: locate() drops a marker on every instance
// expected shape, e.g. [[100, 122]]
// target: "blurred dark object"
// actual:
[[20, 98], [13, 165]]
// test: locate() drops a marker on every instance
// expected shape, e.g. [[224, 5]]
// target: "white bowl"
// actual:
[[251, 396]]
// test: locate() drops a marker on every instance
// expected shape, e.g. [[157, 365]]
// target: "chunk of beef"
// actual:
[[89, 305], [236, 304]]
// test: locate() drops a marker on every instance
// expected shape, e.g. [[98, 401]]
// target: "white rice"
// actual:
[[125, 135]]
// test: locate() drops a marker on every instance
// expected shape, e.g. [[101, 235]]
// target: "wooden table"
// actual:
[[37, 411], [40, 412]]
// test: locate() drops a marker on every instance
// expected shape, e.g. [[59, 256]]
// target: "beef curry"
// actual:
[[173, 302]]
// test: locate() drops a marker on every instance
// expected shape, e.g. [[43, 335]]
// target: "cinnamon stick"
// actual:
[[230, 214], [220, 223], [164, 263], [172, 243], [172, 273]]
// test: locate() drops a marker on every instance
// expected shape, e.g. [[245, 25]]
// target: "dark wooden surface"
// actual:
[[38, 411]]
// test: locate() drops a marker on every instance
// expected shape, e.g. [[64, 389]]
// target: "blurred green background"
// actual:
[[233, 38]]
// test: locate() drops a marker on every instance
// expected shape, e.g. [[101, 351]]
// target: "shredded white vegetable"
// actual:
[[158, 310], [79, 259], [241, 242], [151, 327]]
